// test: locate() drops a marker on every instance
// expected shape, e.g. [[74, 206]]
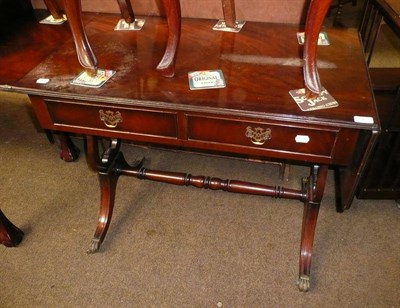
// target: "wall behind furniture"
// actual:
[[276, 11]]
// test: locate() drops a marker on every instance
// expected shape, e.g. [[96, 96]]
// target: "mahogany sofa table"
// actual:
[[253, 116]]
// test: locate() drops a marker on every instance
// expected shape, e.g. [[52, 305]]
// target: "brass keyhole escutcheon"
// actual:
[[110, 118], [258, 135]]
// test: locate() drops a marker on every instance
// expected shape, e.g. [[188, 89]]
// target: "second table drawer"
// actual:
[[271, 136]]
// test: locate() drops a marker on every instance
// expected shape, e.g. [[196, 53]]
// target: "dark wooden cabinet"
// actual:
[[381, 179], [382, 175]]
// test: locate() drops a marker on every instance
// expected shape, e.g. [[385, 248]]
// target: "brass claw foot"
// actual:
[[94, 246], [303, 283]]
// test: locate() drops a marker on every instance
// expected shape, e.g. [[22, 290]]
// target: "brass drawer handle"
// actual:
[[258, 135], [109, 118]]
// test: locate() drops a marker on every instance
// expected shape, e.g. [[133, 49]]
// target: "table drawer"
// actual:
[[105, 118], [267, 136]]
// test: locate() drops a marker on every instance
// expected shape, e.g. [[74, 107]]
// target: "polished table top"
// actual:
[[258, 78]]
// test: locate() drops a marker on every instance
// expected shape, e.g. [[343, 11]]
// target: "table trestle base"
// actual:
[[112, 164]]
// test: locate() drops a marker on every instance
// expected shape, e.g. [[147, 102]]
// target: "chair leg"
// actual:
[[127, 13], [54, 8], [315, 17], [84, 51], [228, 7], [173, 12], [86, 56]]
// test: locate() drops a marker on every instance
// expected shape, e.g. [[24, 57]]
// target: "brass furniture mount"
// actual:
[[258, 135], [109, 118]]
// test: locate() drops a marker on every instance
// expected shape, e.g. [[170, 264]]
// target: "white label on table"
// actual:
[[302, 139], [364, 120], [43, 80]]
